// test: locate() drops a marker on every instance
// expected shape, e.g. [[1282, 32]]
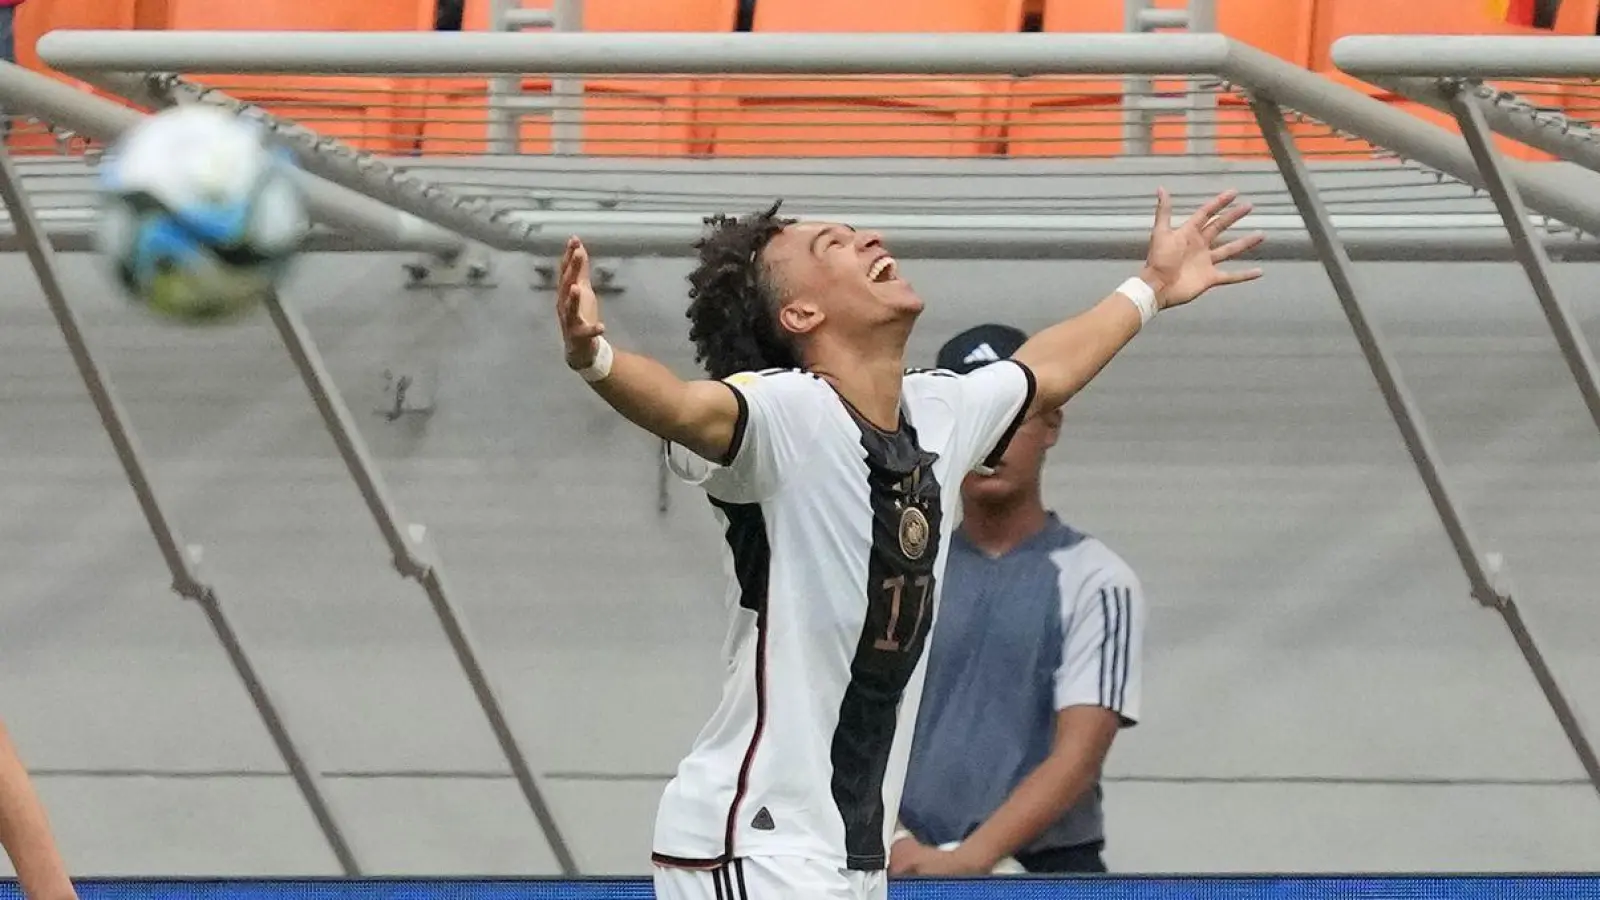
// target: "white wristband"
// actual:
[[1143, 297], [601, 367]]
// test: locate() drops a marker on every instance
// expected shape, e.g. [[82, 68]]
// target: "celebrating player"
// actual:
[[834, 472]]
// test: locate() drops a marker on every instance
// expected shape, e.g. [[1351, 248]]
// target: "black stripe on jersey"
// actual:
[[993, 459], [899, 600], [1124, 642], [1126, 645], [739, 425], [752, 565], [738, 874], [1114, 630], [717, 877], [1107, 638], [1116, 646], [746, 535]]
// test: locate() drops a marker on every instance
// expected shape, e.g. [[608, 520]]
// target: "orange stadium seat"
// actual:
[[299, 15], [378, 115], [624, 117], [1084, 116], [627, 15], [38, 17], [902, 117]]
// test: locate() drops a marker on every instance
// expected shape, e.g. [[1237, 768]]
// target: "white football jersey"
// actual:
[[836, 540]]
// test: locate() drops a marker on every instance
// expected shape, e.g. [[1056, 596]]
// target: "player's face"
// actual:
[[1018, 473], [831, 272]]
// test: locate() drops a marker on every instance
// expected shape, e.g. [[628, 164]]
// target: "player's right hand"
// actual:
[[1184, 262], [577, 308]]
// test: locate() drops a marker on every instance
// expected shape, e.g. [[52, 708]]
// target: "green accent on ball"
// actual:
[[173, 295]]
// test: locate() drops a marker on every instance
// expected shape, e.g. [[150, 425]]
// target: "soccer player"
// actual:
[[833, 471], [1034, 668], [25, 832]]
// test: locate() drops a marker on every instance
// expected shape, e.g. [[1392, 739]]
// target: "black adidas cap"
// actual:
[[980, 345]]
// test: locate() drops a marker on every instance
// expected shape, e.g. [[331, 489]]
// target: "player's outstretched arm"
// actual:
[[1182, 264], [25, 832], [698, 415]]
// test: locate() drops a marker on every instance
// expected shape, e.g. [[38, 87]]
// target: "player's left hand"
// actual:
[[577, 308], [1183, 262]]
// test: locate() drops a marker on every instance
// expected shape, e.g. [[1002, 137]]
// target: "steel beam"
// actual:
[[1530, 251], [1469, 56], [1505, 113], [174, 552], [1341, 272], [409, 562], [772, 53], [1572, 197], [1408, 419]]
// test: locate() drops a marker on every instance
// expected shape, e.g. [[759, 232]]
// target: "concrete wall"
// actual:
[[1322, 695]]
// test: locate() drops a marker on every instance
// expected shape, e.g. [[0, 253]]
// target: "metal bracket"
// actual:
[[463, 270], [605, 279]]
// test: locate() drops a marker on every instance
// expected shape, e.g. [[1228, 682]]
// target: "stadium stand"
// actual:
[[885, 117], [631, 117]]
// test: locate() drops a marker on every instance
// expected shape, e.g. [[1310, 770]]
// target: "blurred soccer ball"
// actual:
[[199, 216]]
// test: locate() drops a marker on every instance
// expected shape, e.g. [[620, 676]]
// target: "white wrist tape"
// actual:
[[601, 367], [1143, 297]]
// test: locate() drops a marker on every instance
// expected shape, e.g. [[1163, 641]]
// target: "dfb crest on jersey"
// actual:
[[913, 532]]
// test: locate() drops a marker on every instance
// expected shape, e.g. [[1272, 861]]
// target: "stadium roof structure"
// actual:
[[1336, 174], [1067, 205]]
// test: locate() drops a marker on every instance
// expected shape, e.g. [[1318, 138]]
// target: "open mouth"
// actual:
[[883, 270]]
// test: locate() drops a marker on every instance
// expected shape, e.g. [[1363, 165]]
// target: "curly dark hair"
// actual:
[[733, 301]]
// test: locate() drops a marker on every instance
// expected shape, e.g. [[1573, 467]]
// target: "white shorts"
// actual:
[[770, 878]]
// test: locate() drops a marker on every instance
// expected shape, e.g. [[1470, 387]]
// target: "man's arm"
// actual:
[[1181, 265], [1082, 740], [702, 416], [25, 831]]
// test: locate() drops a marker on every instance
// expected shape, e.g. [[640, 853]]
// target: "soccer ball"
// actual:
[[199, 216]]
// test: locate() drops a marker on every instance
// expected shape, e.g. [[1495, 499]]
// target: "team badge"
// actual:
[[913, 533]]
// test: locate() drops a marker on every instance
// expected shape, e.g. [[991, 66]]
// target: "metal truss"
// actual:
[[1449, 74]]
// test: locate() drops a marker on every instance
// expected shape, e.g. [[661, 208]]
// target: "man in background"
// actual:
[[25, 832], [1034, 667]]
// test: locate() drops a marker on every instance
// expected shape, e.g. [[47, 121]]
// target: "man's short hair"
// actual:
[[980, 345]]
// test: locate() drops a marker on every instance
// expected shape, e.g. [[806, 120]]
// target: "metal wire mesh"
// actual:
[[666, 116], [1571, 105]]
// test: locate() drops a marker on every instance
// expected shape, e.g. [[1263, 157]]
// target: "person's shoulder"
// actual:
[[925, 384], [1085, 559]]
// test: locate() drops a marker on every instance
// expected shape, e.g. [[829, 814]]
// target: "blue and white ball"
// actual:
[[200, 217]]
